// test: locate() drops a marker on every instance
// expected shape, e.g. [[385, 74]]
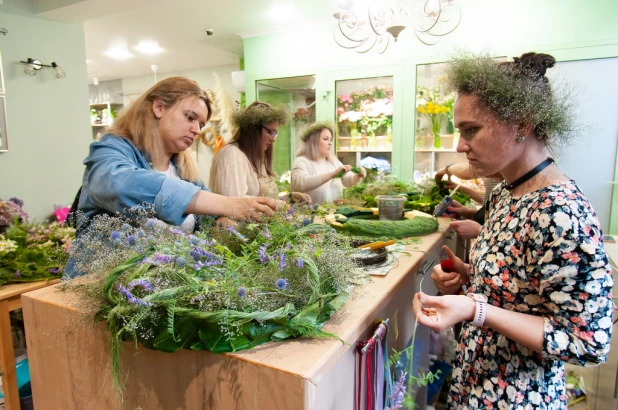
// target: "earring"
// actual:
[[521, 138]]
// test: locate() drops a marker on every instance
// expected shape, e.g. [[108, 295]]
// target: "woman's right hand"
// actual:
[[251, 207], [450, 282], [344, 168]]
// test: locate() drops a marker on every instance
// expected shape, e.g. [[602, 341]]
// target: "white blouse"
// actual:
[[307, 178]]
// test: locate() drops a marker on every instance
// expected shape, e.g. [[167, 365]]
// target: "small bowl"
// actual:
[[368, 258]]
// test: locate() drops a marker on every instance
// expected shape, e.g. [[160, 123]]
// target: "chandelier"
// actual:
[[367, 24]]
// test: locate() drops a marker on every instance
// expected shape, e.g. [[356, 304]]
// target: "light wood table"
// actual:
[[70, 361], [10, 299]]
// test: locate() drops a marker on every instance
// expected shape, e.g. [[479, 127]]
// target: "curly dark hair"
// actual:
[[517, 92]]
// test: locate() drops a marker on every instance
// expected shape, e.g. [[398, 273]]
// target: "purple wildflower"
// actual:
[[398, 392], [263, 256], [17, 274], [299, 262], [194, 240], [282, 262], [288, 214], [53, 271], [199, 265], [176, 231], [306, 221], [151, 223], [17, 201], [159, 258], [181, 262], [126, 227], [115, 235], [142, 283], [235, 232], [132, 239], [267, 233], [132, 299], [281, 284], [241, 291]]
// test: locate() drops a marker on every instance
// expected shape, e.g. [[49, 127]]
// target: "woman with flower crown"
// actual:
[[539, 280], [316, 171], [245, 165]]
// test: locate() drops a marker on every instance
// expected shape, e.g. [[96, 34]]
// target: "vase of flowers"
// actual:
[[435, 107]]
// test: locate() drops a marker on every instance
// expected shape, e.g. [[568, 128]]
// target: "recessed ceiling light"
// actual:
[[148, 47], [118, 53], [282, 12]]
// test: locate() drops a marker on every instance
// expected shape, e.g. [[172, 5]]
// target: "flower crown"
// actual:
[[316, 128], [259, 113]]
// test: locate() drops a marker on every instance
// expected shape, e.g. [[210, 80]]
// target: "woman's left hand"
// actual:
[[300, 197], [440, 312], [362, 175], [467, 229]]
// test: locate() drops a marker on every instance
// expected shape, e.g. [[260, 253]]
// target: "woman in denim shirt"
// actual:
[[143, 161]]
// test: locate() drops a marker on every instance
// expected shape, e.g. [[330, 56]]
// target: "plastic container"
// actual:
[[391, 207]]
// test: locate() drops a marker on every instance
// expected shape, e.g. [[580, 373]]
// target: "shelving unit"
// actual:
[[105, 114]]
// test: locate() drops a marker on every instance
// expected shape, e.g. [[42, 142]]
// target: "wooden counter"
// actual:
[[70, 366]]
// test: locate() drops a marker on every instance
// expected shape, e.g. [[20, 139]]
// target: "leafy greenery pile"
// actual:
[[419, 198]]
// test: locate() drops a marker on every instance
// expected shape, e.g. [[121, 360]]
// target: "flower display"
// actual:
[[371, 109], [304, 115], [435, 107], [222, 289], [30, 251]]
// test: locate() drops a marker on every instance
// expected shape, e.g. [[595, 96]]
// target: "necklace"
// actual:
[[530, 174]]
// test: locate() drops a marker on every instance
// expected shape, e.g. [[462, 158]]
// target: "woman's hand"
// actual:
[[300, 198], [467, 229], [344, 168], [450, 282], [460, 210], [362, 175], [251, 207], [440, 312]]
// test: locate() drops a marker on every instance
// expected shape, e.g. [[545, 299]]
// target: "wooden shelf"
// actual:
[[100, 125]]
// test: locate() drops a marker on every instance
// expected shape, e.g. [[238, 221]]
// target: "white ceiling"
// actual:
[[177, 25]]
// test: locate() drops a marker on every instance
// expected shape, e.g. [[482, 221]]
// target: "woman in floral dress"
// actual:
[[539, 279]]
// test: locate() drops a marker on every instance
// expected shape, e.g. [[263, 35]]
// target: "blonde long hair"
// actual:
[[138, 124]]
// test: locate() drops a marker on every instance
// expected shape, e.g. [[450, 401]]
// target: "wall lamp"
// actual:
[[33, 66]]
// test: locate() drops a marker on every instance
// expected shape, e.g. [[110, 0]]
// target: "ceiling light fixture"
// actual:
[[118, 53], [95, 80], [148, 47], [368, 24], [33, 66]]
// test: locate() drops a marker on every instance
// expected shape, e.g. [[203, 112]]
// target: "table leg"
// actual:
[[7, 359]]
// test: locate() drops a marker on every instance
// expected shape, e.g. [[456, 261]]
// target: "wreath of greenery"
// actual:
[[517, 92], [259, 114], [222, 289], [317, 127]]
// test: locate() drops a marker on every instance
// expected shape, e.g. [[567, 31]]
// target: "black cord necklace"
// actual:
[[530, 174]]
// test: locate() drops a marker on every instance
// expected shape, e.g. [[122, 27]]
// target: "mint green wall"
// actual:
[[48, 119], [567, 29]]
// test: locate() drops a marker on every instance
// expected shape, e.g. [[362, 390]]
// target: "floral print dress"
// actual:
[[541, 254]]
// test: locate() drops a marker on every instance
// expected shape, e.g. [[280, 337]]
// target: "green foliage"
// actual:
[[260, 114]]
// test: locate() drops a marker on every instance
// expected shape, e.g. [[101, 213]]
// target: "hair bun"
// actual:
[[534, 63]]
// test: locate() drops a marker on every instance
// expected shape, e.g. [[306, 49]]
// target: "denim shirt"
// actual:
[[118, 177]]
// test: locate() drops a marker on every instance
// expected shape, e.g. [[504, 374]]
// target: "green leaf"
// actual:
[[281, 335]]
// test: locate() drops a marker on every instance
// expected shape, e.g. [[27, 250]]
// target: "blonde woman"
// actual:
[[316, 170]]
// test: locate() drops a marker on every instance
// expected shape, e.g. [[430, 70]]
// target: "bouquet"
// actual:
[[32, 252]]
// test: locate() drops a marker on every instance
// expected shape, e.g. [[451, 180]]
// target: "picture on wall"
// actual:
[[4, 146]]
